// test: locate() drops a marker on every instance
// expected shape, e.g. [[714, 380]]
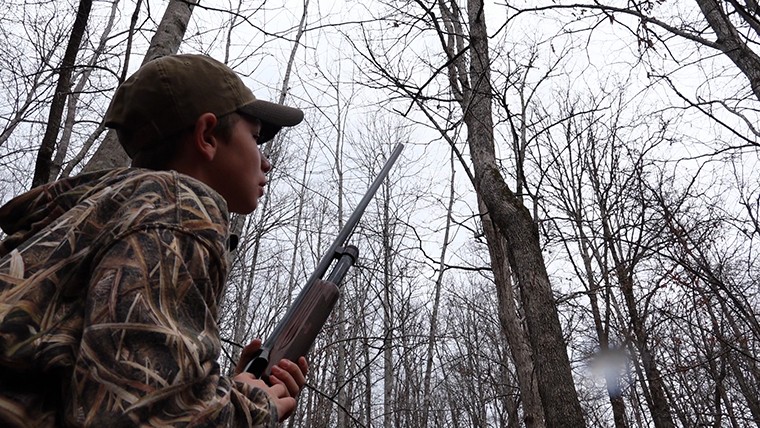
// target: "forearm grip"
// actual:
[[297, 331]]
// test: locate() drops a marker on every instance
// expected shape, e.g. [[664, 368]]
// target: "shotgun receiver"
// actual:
[[296, 332]]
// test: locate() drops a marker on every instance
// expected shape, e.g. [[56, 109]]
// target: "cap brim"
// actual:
[[273, 116]]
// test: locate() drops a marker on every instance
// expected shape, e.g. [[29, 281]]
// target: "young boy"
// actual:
[[109, 281]]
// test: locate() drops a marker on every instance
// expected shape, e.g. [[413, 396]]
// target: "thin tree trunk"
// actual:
[[79, 157], [273, 152], [71, 107], [433, 333], [655, 386], [274, 145], [367, 382], [660, 408], [749, 388], [746, 389], [291, 60], [69, 168], [614, 388], [45, 152], [293, 272], [389, 378], [340, 369]]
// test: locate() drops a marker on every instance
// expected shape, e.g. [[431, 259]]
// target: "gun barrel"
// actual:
[[353, 220]]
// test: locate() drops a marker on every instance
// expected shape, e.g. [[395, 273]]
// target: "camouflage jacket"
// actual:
[[109, 284]]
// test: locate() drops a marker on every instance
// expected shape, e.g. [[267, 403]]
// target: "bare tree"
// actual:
[[434, 315], [597, 185], [261, 223], [23, 88], [467, 65], [671, 39], [511, 218], [72, 104], [47, 147], [723, 319]]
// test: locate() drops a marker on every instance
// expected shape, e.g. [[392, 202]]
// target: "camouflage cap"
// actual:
[[168, 94]]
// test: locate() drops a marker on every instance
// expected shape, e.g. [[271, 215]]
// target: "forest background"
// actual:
[[568, 239]]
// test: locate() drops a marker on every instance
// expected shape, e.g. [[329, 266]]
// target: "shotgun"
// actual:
[[296, 332]]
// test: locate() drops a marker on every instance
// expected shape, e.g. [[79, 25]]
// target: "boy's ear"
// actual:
[[205, 142]]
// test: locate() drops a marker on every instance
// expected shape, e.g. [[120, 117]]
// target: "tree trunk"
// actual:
[[659, 403], [730, 42], [612, 380], [73, 103], [166, 41], [388, 378], [368, 382], [340, 369], [95, 135], [513, 220], [433, 332], [533, 412], [45, 152]]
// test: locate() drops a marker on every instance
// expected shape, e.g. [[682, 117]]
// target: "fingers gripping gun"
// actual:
[[298, 329]]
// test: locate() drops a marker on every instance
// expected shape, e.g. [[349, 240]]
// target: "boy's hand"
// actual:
[[291, 375], [287, 379]]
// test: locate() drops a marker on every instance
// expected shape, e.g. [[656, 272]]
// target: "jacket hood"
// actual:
[[27, 214]]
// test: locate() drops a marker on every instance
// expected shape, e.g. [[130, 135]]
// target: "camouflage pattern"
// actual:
[[109, 284]]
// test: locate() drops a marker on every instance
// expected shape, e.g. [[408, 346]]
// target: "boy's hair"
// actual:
[[158, 156]]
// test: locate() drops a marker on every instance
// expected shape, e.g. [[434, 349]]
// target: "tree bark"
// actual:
[[166, 41], [533, 412], [45, 152], [555, 382], [731, 44]]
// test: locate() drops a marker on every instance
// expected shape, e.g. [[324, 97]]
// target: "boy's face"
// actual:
[[239, 167]]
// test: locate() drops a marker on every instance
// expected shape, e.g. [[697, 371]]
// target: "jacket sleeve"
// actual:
[[150, 341]]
